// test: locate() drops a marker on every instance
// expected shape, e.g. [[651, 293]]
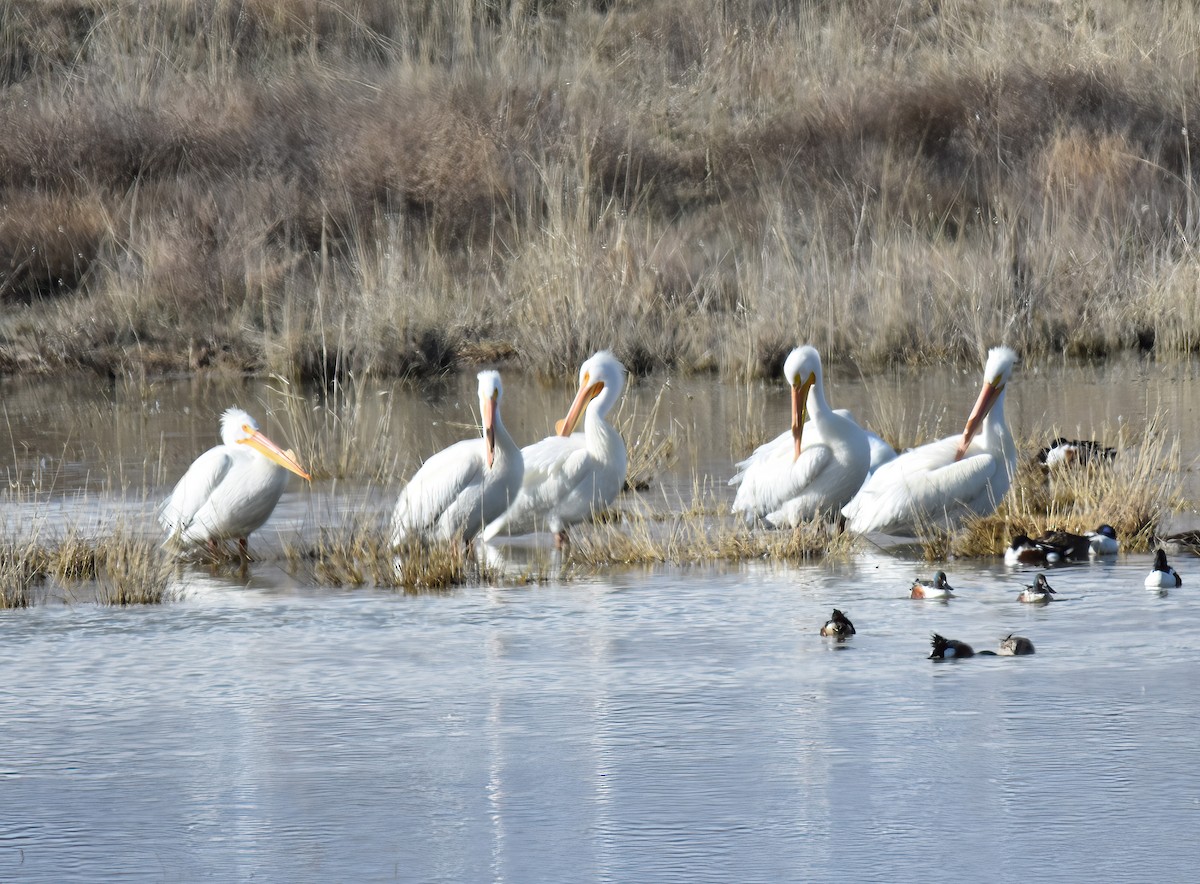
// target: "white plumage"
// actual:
[[461, 488], [230, 490], [812, 469], [571, 476], [940, 483]]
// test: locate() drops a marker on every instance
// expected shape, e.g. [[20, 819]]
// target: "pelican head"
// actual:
[[602, 375], [490, 392], [239, 428], [996, 374], [802, 370]]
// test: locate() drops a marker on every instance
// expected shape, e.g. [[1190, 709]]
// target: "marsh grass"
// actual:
[[1134, 493], [314, 188], [641, 536], [124, 569]]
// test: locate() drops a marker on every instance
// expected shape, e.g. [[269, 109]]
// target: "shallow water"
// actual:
[[671, 724]]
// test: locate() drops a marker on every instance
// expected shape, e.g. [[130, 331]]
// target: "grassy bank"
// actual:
[[311, 186]]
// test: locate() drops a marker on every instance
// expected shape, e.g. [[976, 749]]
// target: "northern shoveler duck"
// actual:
[[1103, 541], [1063, 546], [838, 626], [948, 648], [1015, 646], [1037, 593], [1049, 548], [1074, 452], [1163, 575], [937, 588], [1023, 551]]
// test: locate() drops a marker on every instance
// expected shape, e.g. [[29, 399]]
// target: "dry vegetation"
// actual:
[[314, 187]]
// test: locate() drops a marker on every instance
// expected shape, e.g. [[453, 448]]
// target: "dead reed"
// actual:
[[1134, 493], [316, 188]]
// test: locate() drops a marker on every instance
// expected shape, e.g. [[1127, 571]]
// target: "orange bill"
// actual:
[[987, 398], [587, 392], [271, 451]]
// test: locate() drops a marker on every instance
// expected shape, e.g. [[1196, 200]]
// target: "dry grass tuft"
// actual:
[[402, 188], [636, 536], [1134, 494]]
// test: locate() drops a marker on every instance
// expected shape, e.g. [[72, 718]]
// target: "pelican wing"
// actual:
[[437, 485], [775, 479], [923, 485], [555, 471], [194, 490]]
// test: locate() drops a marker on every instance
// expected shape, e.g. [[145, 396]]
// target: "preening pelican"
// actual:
[[942, 482], [570, 476], [814, 468], [462, 488], [231, 490]]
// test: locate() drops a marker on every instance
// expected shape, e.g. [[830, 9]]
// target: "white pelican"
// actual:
[[230, 490], [943, 481], [570, 476], [462, 488], [812, 469]]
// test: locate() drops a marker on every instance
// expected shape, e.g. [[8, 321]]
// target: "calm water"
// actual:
[[646, 725]]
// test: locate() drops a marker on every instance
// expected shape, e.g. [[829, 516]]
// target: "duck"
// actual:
[[1163, 576], [1048, 548], [1103, 541], [937, 588], [1064, 452], [949, 648], [1015, 646], [1023, 551], [1037, 593], [838, 626]]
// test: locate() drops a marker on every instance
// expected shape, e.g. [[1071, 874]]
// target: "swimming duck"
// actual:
[[1038, 593], [937, 588], [1048, 548], [1063, 546], [1163, 575], [838, 626], [1074, 452], [948, 648], [1103, 541], [1015, 646], [1023, 551]]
